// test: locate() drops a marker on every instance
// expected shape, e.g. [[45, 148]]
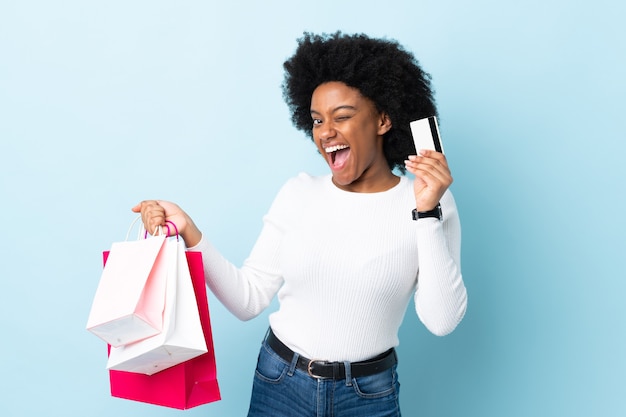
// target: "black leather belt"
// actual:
[[334, 370]]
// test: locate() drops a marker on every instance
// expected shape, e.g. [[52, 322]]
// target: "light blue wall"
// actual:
[[103, 104]]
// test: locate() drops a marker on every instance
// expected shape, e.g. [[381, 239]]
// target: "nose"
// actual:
[[326, 132]]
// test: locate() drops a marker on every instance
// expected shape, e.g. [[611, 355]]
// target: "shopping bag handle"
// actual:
[[159, 230], [168, 229], [174, 226]]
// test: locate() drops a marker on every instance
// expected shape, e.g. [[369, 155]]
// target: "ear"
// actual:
[[384, 124]]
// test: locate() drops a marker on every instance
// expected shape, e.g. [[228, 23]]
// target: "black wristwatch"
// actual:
[[436, 212]]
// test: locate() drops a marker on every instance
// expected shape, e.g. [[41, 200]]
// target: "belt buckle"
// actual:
[[309, 370]]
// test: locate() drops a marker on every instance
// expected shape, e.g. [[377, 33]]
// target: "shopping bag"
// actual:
[[130, 298], [181, 338], [183, 386]]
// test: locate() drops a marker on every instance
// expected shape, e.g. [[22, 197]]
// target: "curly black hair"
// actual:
[[381, 69]]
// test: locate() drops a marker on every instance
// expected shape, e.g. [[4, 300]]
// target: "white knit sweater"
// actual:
[[344, 266]]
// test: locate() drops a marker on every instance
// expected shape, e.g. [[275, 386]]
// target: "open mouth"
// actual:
[[338, 154]]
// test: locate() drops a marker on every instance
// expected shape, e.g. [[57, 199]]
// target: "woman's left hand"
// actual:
[[432, 177]]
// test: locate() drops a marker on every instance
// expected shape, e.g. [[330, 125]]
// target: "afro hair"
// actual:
[[382, 70]]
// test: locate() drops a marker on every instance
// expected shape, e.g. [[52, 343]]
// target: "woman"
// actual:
[[343, 252]]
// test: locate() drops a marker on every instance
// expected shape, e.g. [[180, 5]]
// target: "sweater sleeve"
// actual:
[[441, 297], [248, 290]]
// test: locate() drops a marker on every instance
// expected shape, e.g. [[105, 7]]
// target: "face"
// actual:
[[348, 131]]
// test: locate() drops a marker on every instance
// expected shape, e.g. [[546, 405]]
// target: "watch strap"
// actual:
[[436, 213]]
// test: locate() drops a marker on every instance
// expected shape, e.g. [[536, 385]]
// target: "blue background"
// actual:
[[103, 104]]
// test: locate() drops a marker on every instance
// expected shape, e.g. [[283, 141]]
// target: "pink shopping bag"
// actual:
[[183, 386]]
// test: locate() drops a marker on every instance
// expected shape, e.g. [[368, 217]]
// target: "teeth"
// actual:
[[335, 148]]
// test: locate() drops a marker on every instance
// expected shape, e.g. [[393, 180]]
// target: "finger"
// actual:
[[434, 157], [155, 219], [140, 206], [434, 177], [417, 165], [431, 178], [152, 215], [435, 160]]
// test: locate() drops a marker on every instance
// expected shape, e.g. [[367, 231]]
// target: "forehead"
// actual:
[[334, 94]]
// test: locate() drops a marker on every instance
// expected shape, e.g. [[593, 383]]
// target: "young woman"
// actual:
[[344, 252]]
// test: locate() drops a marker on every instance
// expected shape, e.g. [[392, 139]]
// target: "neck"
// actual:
[[369, 183]]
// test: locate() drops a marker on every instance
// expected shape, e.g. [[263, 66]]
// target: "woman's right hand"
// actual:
[[155, 213]]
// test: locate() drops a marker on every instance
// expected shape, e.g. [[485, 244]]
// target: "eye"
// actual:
[[317, 122]]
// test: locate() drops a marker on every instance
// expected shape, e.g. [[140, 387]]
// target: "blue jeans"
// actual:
[[282, 390]]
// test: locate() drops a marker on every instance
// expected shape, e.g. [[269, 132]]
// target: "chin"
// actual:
[[339, 180]]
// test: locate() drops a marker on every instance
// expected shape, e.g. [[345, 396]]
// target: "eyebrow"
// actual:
[[342, 107]]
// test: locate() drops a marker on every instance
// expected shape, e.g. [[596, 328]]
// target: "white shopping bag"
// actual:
[[129, 302], [182, 337]]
